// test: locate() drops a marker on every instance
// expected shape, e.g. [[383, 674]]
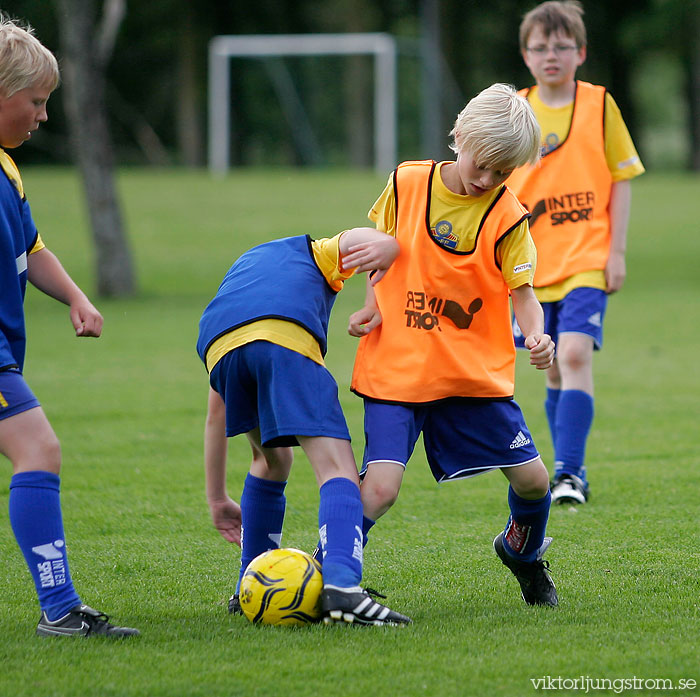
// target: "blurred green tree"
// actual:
[[156, 83], [86, 48]]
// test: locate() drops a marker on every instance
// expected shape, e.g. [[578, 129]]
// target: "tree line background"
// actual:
[[134, 88], [647, 52]]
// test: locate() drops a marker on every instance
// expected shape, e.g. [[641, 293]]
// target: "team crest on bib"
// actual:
[[443, 235]]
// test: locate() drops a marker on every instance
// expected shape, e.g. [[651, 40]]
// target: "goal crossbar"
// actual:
[[379, 45]]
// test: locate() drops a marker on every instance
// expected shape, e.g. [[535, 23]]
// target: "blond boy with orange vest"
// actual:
[[579, 197], [436, 355]]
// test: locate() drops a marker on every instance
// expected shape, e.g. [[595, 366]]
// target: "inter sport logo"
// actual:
[[50, 551], [567, 208], [52, 571]]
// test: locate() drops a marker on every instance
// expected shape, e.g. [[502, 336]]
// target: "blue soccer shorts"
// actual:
[[15, 394], [462, 438], [582, 312], [283, 393]]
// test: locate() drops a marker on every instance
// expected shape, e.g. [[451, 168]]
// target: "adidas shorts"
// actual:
[[582, 311], [15, 394], [280, 391], [462, 438]]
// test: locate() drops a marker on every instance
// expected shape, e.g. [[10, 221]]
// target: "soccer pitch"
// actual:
[[129, 410]]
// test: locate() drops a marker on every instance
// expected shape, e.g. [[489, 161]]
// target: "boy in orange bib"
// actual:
[[579, 196], [436, 354]]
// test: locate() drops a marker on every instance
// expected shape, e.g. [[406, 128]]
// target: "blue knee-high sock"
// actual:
[[550, 408], [37, 522], [573, 423], [524, 533], [340, 531], [262, 516], [367, 525]]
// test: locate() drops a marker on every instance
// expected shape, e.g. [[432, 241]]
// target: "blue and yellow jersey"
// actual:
[[455, 221], [281, 292], [18, 239]]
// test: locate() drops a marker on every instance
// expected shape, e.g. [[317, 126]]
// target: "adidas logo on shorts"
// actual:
[[595, 319], [519, 441]]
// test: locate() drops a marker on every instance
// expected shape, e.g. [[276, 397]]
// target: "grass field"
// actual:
[[129, 411]]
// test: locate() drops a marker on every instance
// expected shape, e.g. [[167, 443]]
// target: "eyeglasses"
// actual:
[[559, 50]]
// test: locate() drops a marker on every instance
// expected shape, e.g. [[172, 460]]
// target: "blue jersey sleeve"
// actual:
[[18, 236]]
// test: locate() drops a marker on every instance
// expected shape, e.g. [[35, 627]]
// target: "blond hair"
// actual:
[[24, 60], [553, 17], [498, 128]]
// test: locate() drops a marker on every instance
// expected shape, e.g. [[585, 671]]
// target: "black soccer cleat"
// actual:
[[234, 605], [82, 620], [535, 582], [356, 606], [568, 488]]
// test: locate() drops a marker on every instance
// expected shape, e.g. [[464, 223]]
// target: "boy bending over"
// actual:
[[262, 339]]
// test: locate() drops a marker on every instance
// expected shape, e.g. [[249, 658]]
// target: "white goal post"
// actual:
[[223, 48]]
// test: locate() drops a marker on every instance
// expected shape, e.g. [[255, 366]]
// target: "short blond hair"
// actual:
[[498, 128], [554, 16], [24, 60]]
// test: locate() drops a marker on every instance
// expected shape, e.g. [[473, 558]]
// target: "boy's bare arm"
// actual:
[[368, 317], [45, 272], [615, 268], [225, 512], [367, 249], [530, 318]]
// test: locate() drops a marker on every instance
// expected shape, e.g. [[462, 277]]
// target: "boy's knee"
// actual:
[[531, 482], [575, 356], [51, 452], [387, 495], [282, 460], [42, 453], [378, 497], [532, 491], [272, 463]]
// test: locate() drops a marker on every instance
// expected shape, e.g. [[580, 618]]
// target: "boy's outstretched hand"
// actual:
[[541, 350], [372, 255], [226, 516]]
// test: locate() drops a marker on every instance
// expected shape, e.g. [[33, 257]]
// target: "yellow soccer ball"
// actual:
[[282, 586]]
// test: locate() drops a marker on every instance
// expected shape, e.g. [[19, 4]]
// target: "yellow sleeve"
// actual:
[[38, 245], [383, 213], [620, 153], [517, 255], [7, 163], [327, 256], [10, 168]]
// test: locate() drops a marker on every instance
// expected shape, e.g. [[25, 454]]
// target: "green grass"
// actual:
[[129, 411]]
